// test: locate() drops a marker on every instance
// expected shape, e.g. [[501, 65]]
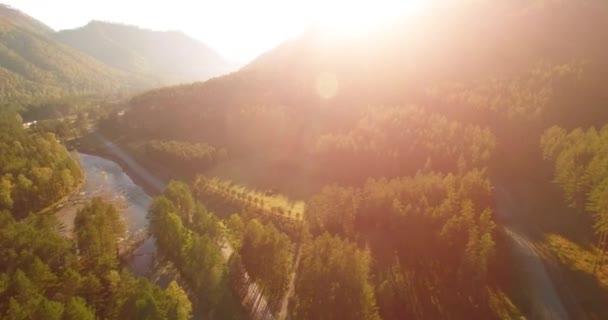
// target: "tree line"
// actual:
[[421, 234], [579, 158], [44, 275], [412, 228], [35, 171], [188, 157], [226, 198], [266, 254], [380, 250], [190, 237], [392, 142]]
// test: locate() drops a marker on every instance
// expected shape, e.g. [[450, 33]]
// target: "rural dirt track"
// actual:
[[253, 300], [546, 303]]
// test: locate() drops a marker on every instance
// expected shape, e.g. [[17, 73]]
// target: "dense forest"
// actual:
[[414, 227], [35, 67], [266, 254], [283, 112], [43, 275], [329, 178], [401, 145], [38, 64], [35, 169], [395, 141], [191, 239], [189, 157], [579, 159]]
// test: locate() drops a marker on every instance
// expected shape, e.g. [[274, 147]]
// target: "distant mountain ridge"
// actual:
[[170, 56], [37, 63], [23, 20], [474, 42], [34, 66]]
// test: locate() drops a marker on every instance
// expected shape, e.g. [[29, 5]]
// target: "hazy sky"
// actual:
[[239, 29]]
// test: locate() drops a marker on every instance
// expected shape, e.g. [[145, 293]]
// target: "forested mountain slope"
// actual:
[[38, 65], [35, 169], [23, 20], [404, 126], [171, 57], [33, 66], [46, 275], [491, 63]]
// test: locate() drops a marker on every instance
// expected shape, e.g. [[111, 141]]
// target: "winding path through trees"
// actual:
[[546, 302]]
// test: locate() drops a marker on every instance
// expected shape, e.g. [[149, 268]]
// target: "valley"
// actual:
[[447, 165]]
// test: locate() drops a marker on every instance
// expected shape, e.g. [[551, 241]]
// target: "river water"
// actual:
[[106, 179]]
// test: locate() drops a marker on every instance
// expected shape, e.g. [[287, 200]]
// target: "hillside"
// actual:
[[33, 66], [397, 141], [22, 20], [171, 57], [38, 65], [460, 55]]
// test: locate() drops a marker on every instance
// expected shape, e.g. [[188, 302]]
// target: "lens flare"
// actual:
[[326, 85]]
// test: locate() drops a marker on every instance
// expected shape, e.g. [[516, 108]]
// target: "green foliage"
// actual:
[[236, 225], [33, 66], [77, 309], [266, 254], [43, 277], [515, 87], [580, 161], [190, 237], [414, 226], [540, 94], [343, 271], [180, 195], [35, 169], [397, 293], [98, 230], [35, 237], [57, 108], [142, 301], [180, 308], [334, 210], [224, 198], [188, 157], [395, 141], [432, 236], [243, 199]]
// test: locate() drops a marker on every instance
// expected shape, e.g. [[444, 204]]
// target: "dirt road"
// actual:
[[546, 303]]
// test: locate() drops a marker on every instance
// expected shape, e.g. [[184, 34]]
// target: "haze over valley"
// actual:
[[369, 160]]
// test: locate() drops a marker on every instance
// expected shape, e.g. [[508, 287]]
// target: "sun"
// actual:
[[356, 17]]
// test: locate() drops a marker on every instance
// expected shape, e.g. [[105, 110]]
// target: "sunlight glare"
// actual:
[[352, 18], [326, 85]]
